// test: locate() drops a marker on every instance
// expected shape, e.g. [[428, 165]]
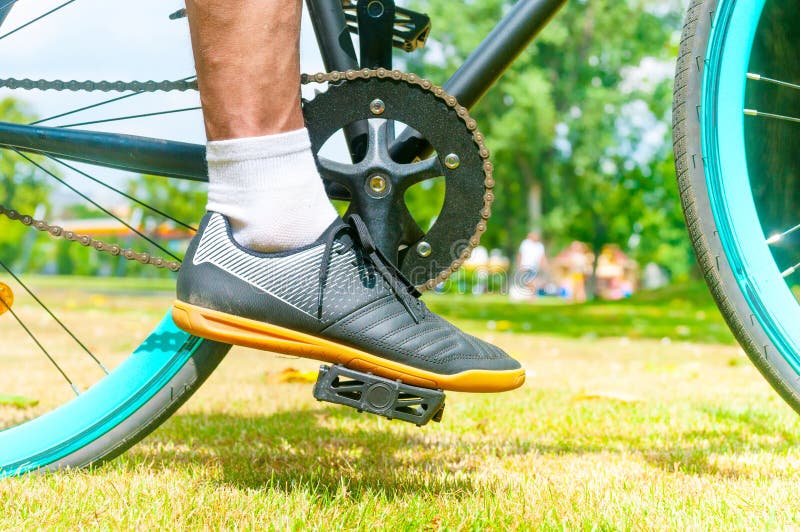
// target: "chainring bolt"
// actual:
[[6, 298], [377, 183], [424, 249], [375, 9], [452, 161], [377, 106]]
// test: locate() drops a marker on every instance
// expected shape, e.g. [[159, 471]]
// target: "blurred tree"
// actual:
[[23, 187], [578, 127], [181, 199]]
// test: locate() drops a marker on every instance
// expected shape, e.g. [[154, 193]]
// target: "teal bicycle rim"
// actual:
[[722, 119], [42, 441]]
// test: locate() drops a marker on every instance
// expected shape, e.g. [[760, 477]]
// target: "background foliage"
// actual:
[[580, 119], [25, 192]]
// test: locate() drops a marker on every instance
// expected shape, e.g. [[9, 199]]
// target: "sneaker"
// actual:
[[337, 300]]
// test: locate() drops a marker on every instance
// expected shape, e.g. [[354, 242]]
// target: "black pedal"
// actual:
[[410, 29], [369, 393]]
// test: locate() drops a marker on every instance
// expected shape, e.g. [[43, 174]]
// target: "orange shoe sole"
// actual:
[[230, 329]]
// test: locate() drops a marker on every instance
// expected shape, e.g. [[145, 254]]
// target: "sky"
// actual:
[[112, 40]]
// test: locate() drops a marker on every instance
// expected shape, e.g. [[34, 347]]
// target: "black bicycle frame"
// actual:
[[5, 10], [187, 161]]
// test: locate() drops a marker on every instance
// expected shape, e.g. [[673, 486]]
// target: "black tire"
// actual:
[[697, 208]]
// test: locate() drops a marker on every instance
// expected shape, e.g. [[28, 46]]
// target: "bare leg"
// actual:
[[248, 65], [261, 171]]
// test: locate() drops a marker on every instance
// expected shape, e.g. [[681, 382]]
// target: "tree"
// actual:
[[181, 199], [23, 187], [580, 121]]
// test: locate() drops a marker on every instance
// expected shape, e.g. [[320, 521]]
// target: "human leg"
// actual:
[[262, 174], [325, 294]]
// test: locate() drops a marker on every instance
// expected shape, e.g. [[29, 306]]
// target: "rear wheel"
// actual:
[[119, 410], [71, 390], [736, 134]]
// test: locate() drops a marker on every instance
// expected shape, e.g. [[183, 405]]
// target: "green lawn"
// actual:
[[628, 432], [681, 313]]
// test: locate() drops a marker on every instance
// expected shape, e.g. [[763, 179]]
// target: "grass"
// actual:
[[683, 313], [608, 433]]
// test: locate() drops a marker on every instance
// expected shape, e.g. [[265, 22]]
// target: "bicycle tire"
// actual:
[[752, 312]]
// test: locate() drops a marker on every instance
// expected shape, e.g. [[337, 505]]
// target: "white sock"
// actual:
[[270, 190]]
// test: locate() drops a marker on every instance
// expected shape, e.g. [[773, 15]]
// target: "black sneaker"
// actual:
[[337, 300]]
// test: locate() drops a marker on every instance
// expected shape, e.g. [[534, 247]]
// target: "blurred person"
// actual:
[[531, 261], [478, 263], [616, 273], [498, 271], [579, 264]]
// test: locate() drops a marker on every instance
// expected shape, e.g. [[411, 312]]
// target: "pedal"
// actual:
[[369, 393], [410, 31]]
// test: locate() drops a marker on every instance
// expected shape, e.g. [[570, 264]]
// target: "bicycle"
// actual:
[[129, 402]]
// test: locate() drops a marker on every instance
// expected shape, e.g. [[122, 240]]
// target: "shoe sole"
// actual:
[[227, 328]]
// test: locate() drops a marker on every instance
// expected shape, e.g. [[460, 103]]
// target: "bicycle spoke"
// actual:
[[90, 200], [60, 323], [96, 105], [786, 273], [774, 239], [40, 17], [755, 112], [759, 77], [129, 117], [38, 343], [124, 194]]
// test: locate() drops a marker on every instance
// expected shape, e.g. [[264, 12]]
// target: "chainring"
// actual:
[[376, 98]]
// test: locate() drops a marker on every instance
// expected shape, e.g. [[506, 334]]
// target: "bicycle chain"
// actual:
[[57, 231], [322, 77], [93, 86]]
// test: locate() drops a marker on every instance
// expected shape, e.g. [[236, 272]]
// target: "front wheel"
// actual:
[[736, 138]]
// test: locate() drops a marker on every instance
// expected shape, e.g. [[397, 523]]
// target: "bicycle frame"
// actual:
[[187, 161]]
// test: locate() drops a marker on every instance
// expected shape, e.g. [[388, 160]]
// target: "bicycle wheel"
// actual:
[[107, 413], [736, 136]]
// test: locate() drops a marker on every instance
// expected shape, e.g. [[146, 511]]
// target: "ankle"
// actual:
[[270, 190]]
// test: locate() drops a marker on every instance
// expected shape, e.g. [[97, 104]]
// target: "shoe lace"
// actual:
[[405, 292]]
